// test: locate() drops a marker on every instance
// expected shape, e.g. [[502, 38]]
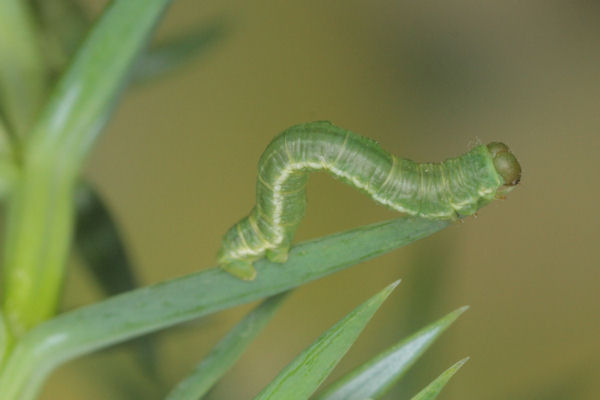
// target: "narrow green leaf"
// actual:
[[303, 376], [226, 352], [432, 390], [374, 378], [86, 92], [149, 309], [98, 240], [22, 70], [428, 272], [40, 213], [165, 57]]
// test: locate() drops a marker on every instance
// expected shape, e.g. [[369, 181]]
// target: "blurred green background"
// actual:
[[427, 80]]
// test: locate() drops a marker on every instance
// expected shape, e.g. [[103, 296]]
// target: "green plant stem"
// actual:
[[156, 307], [40, 213], [39, 230]]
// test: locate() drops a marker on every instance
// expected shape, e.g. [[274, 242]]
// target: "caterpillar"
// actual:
[[451, 189]]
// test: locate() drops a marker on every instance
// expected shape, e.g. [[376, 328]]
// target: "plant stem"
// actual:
[[156, 307], [40, 212], [39, 224]]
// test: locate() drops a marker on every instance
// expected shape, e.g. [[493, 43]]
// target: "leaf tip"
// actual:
[[461, 310], [461, 362], [453, 316], [389, 288], [393, 285]]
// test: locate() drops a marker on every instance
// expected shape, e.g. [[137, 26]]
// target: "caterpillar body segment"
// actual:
[[448, 190]]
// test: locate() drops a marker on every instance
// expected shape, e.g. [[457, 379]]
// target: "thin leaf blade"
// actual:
[[113, 320], [374, 378], [99, 241], [432, 390], [224, 355], [302, 377], [163, 58], [87, 91]]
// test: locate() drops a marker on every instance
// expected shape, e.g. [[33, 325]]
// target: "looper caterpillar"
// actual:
[[448, 190]]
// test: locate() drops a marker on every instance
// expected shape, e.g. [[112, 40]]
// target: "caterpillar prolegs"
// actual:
[[448, 190]]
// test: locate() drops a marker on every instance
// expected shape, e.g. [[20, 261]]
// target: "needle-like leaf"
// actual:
[[226, 352], [432, 390], [99, 242], [374, 378], [156, 307], [87, 91], [163, 58], [303, 376]]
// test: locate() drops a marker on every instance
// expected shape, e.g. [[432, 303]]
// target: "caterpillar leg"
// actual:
[[278, 254], [241, 269]]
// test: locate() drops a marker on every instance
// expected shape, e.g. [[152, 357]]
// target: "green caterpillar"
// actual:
[[449, 190]]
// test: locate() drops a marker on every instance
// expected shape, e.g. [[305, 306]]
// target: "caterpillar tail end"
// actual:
[[244, 269], [240, 269]]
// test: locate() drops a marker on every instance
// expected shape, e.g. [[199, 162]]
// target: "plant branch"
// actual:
[[40, 211], [157, 307]]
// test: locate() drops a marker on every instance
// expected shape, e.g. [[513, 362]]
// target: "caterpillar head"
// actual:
[[506, 165]]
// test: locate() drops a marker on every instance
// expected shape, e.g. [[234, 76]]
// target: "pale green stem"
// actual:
[[39, 225], [148, 309], [40, 213]]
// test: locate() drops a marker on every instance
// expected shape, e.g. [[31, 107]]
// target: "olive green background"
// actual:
[[427, 80]]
